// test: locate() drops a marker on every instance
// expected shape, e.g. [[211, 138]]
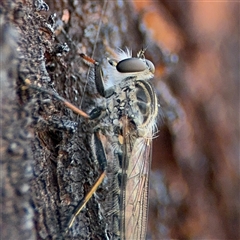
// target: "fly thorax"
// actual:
[[140, 102]]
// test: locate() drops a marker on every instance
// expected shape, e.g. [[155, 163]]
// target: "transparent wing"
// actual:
[[137, 166]]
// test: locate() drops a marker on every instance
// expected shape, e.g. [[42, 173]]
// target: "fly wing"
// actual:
[[137, 160]]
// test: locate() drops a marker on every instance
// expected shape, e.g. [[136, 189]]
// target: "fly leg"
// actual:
[[64, 101], [98, 150], [100, 155]]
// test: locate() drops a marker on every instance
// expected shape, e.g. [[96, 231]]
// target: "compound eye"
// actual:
[[131, 65], [150, 65]]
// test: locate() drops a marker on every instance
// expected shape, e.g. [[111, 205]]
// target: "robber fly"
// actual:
[[127, 120], [123, 127]]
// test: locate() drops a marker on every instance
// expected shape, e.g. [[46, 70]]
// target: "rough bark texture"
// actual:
[[46, 159], [16, 161]]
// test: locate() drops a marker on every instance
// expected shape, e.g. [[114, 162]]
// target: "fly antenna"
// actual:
[[140, 54]]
